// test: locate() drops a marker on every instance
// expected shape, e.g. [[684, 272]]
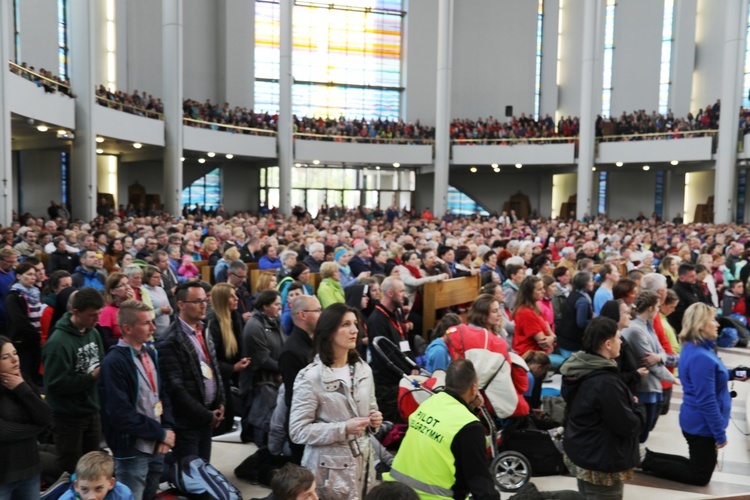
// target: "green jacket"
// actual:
[[69, 357], [330, 291]]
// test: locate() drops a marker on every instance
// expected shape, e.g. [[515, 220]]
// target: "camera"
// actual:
[[740, 372]]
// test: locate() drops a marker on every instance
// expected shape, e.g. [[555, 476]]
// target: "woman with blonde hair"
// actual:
[[266, 281], [210, 250], [706, 402], [224, 324], [330, 290], [668, 267], [222, 267]]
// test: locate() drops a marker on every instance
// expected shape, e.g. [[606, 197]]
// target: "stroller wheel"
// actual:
[[510, 470]]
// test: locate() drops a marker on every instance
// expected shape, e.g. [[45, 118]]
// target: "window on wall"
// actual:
[[667, 37], [460, 203], [609, 49], [204, 191], [62, 37], [538, 66], [741, 193], [16, 33], [65, 176], [346, 57], [659, 193], [602, 207]]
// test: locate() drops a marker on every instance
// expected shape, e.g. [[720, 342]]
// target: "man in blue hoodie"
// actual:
[[137, 414], [88, 273]]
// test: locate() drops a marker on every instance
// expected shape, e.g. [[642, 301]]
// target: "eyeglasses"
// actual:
[[201, 302], [240, 276], [312, 310]]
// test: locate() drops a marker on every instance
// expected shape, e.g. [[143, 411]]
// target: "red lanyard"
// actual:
[[146, 362], [395, 324], [199, 334]]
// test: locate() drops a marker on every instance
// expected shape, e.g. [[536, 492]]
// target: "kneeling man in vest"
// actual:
[[444, 452]]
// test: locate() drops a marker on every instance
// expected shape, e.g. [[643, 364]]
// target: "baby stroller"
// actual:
[[510, 467]]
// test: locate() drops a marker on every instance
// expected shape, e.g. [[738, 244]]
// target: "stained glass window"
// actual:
[[609, 49], [64, 171], [460, 203], [667, 38], [538, 80], [346, 57], [62, 37], [16, 33], [659, 193], [602, 206], [741, 193], [204, 191], [746, 76]]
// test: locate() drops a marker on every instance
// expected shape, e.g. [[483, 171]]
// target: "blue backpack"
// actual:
[[728, 337], [192, 475]]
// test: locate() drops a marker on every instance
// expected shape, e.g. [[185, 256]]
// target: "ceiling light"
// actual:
[[201, 160], [42, 128], [497, 170], [593, 169], [316, 162], [100, 140], [62, 132], [182, 159], [377, 168], [674, 162], [495, 165], [619, 164], [518, 165], [646, 168], [137, 145], [297, 165], [396, 165], [99, 151], [211, 154], [229, 156], [473, 169]]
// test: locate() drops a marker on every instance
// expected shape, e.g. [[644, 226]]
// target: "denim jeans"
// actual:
[[141, 473], [22, 489]]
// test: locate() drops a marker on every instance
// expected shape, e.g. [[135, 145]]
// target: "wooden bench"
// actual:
[[442, 294]]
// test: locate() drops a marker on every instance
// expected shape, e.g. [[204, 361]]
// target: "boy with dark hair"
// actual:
[[293, 482]]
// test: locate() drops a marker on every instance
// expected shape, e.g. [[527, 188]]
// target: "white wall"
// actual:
[[419, 62], [128, 127], [27, 99], [41, 180], [201, 139], [493, 58], [683, 56], [698, 148], [38, 28], [142, 53], [550, 154], [571, 47], [201, 44], [709, 46], [362, 153], [563, 187], [698, 187], [637, 55], [675, 194]]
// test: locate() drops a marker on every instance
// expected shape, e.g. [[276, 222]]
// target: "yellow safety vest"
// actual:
[[424, 460]]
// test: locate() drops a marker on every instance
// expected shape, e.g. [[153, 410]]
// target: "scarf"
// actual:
[[30, 294], [345, 270], [413, 270]]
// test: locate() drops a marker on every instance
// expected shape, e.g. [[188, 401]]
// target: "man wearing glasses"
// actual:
[[188, 363], [8, 262], [237, 277]]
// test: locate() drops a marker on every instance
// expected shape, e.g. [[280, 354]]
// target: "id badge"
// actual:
[[206, 370], [158, 409], [404, 345]]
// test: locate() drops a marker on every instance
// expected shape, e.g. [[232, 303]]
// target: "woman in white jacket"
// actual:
[[334, 409]]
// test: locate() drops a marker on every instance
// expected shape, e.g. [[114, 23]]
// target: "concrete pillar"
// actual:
[[443, 106], [172, 79], [735, 34], [83, 176], [286, 141], [548, 98], [236, 55], [6, 159], [587, 133], [683, 56]]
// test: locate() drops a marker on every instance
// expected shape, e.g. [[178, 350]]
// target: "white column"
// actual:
[[286, 142], [236, 22], [172, 77], [735, 33], [550, 24], [83, 176], [443, 106], [6, 159], [683, 57], [588, 113]]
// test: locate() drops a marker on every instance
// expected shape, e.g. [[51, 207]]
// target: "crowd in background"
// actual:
[[50, 82]]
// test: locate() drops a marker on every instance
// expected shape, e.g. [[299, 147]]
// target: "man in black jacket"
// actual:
[[298, 352], [685, 290], [188, 363], [385, 321]]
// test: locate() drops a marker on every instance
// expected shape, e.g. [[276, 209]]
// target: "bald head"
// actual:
[[305, 311]]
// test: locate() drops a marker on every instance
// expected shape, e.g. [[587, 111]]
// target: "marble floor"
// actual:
[[731, 479]]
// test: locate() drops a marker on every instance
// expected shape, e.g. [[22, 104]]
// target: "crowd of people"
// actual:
[[141, 104], [615, 306], [47, 80]]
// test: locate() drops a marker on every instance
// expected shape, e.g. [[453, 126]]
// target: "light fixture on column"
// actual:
[[137, 145]]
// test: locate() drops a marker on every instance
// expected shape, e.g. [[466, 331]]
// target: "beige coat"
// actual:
[[321, 405]]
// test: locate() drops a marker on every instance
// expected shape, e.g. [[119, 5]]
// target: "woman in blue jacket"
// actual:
[[706, 403]]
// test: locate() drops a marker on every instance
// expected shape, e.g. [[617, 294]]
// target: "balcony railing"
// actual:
[[129, 108], [233, 129], [49, 84], [363, 140]]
